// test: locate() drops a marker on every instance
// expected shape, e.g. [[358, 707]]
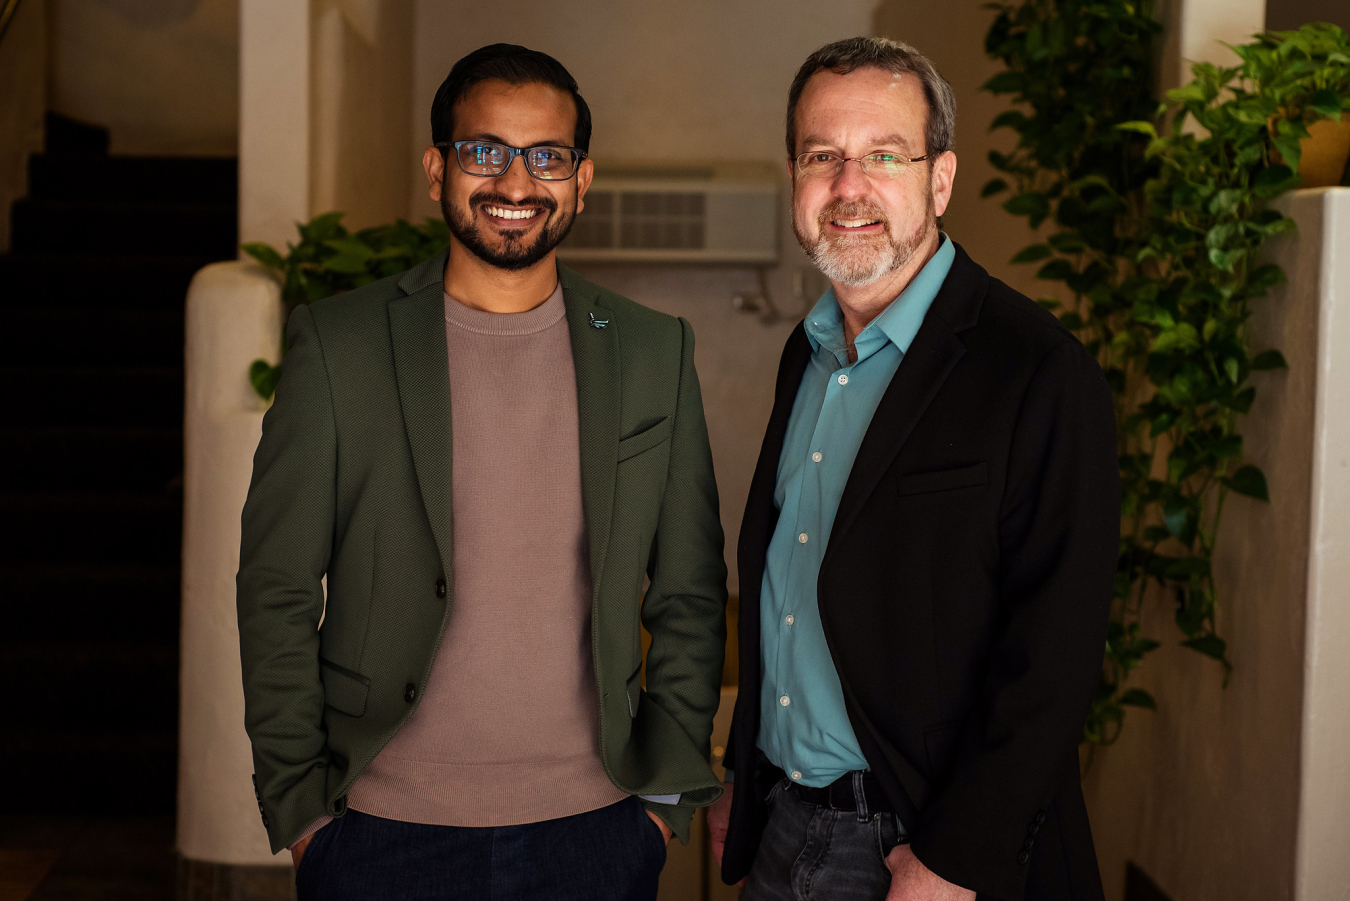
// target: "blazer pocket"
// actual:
[[942, 480], [634, 691], [645, 440], [343, 689]]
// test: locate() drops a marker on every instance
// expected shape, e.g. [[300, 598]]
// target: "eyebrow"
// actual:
[[897, 140], [496, 139]]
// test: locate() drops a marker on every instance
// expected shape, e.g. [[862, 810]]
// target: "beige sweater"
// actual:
[[507, 731]]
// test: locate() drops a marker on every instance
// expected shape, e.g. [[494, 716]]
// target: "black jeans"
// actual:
[[615, 852], [810, 853]]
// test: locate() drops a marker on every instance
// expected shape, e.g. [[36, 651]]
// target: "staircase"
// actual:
[[91, 461]]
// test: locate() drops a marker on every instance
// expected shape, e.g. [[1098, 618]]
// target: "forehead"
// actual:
[[516, 113], [867, 104]]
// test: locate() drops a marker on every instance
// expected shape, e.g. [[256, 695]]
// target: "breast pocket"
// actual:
[[972, 476], [643, 441]]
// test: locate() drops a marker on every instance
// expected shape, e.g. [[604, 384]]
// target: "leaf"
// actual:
[[992, 187], [1231, 369], [1269, 359], [1211, 646], [1249, 481], [1011, 119], [1031, 203], [1032, 254], [1242, 401], [1137, 697], [1273, 181], [264, 377], [1327, 103], [1056, 270], [265, 254], [1004, 83], [1143, 128]]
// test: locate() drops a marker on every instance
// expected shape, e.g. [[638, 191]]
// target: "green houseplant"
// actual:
[[1154, 241], [329, 259]]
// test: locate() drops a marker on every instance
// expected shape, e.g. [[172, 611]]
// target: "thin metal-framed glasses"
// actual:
[[882, 164], [486, 159]]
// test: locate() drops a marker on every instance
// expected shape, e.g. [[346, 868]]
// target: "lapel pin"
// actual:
[[597, 323]]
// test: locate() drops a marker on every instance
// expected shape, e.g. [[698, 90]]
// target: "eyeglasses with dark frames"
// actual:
[[882, 164], [487, 159]]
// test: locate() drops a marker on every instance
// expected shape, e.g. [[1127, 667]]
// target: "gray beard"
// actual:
[[855, 261]]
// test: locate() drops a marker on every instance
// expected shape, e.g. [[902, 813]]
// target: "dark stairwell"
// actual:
[[91, 352]]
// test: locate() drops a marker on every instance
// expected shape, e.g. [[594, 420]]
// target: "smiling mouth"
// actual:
[[508, 213], [854, 223]]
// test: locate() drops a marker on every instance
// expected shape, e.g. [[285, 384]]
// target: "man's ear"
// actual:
[[944, 178], [585, 173], [434, 165]]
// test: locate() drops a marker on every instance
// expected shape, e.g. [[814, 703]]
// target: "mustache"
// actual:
[[852, 209], [492, 198]]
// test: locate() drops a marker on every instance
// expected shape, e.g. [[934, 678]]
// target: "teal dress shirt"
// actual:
[[804, 728]]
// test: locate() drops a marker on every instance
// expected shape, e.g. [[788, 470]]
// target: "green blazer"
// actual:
[[351, 480]]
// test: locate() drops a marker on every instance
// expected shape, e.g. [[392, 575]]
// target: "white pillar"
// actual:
[[1321, 266], [233, 318], [274, 119]]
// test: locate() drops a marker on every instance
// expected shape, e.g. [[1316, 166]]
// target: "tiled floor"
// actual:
[[68, 858]]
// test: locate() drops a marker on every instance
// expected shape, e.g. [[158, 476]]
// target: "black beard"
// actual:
[[515, 254]]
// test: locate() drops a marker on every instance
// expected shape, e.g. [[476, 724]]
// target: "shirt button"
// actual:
[[410, 693], [796, 774], [802, 538], [789, 619], [817, 456], [785, 700], [440, 588], [843, 378]]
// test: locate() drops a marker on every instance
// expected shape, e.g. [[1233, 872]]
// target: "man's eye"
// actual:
[[886, 157], [822, 158]]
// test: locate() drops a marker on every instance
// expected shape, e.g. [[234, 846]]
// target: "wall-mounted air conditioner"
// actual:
[[715, 213]]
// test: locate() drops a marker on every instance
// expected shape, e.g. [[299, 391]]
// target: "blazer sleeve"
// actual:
[[287, 537], [685, 606], [1059, 534]]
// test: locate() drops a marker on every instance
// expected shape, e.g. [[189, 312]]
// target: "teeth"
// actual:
[[855, 223], [503, 213]]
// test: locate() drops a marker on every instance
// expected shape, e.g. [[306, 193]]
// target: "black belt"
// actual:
[[842, 794]]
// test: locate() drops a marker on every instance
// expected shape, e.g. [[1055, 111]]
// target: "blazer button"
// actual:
[[410, 693], [440, 589], [1033, 829], [1028, 843], [1023, 857], [1040, 818]]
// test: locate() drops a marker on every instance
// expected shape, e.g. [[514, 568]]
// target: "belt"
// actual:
[[848, 792]]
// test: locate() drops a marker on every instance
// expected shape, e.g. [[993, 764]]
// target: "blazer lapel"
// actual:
[[594, 330], [931, 358], [421, 365]]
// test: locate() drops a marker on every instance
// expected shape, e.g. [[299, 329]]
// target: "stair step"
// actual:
[[90, 684], [90, 528], [92, 282], [38, 337], [117, 602], [106, 227], [65, 135], [94, 396], [90, 771], [83, 458], [77, 176]]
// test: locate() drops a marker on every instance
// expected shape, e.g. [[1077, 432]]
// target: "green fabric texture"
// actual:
[[352, 480]]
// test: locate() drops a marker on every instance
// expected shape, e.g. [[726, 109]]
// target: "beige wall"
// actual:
[[23, 98], [162, 75], [954, 41], [698, 80]]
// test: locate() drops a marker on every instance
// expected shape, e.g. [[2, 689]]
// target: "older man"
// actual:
[[929, 544]]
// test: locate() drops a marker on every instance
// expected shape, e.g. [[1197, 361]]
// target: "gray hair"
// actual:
[[842, 57]]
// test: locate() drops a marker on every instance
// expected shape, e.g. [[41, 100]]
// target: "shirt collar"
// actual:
[[897, 324]]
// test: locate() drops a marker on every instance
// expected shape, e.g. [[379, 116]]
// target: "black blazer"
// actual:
[[964, 592]]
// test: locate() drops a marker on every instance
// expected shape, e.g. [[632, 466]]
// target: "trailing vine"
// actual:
[[1154, 238]]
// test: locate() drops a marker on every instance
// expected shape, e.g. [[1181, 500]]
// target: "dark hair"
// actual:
[[842, 57], [515, 65]]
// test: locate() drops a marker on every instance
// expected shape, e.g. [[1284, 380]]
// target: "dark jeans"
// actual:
[[615, 852], [809, 852]]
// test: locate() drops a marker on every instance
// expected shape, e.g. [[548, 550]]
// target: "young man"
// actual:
[[928, 548], [486, 457]]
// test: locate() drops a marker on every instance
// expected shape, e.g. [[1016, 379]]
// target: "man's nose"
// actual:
[[515, 181], [851, 183]]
